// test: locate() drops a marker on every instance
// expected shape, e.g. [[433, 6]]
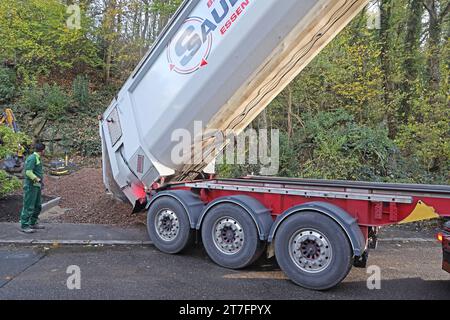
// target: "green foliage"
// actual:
[[31, 99], [48, 101], [34, 34], [72, 129], [395, 126], [55, 102], [373, 105], [165, 7], [226, 170], [7, 84], [80, 89], [11, 140], [425, 140], [85, 138], [334, 146], [9, 146], [8, 183]]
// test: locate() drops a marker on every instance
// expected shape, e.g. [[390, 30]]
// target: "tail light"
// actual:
[[440, 237], [138, 191]]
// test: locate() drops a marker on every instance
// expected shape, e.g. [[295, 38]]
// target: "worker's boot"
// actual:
[[27, 230], [37, 226]]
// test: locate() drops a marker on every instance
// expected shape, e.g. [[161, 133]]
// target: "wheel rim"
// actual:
[[310, 250], [228, 235], [167, 225]]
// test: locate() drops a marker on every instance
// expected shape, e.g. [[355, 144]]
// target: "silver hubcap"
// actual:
[[310, 250], [228, 235], [167, 224]]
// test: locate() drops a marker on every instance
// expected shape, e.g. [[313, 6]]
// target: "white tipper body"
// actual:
[[218, 63]]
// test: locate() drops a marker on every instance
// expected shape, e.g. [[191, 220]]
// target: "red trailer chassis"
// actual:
[[306, 223]]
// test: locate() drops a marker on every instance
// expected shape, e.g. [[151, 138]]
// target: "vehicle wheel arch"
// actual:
[[189, 200], [348, 223], [256, 210]]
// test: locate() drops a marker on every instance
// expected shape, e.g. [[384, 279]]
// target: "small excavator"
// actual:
[[7, 118], [14, 163]]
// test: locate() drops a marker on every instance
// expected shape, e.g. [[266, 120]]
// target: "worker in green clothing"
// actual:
[[32, 191]]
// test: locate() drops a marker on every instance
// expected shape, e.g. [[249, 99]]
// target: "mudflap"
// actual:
[[361, 261]]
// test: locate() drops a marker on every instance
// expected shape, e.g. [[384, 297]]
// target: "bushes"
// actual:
[[35, 36], [43, 105], [7, 84], [8, 184], [85, 137], [80, 89], [56, 102], [335, 146], [9, 141], [332, 145], [9, 145], [426, 147], [49, 101], [69, 119]]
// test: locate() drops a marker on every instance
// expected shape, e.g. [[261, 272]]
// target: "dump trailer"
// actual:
[[217, 65]]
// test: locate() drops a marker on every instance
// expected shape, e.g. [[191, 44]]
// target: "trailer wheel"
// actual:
[[230, 236], [313, 250], [168, 225]]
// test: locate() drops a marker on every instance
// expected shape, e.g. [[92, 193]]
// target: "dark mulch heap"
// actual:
[[11, 206]]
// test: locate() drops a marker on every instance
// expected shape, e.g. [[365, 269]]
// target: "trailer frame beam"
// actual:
[[392, 198]]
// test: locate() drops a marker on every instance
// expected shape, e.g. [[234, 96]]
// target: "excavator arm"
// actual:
[[9, 119]]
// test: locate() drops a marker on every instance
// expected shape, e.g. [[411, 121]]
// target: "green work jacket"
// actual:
[[33, 170]]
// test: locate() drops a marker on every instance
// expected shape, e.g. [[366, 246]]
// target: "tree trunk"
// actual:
[[109, 29], [289, 112], [262, 123], [434, 40], [386, 13], [108, 61], [411, 47], [144, 37]]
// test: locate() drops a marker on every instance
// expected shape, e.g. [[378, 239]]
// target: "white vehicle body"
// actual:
[[220, 62]]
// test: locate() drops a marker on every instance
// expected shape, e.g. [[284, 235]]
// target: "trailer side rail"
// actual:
[[304, 192]]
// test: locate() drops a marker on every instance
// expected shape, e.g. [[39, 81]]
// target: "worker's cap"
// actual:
[[39, 147]]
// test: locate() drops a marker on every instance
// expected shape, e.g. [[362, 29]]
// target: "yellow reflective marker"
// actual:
[[421, 212]]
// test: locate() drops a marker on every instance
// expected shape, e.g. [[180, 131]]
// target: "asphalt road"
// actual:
[[408, 271]]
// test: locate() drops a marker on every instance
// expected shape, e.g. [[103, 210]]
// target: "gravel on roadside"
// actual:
[[85, 197]]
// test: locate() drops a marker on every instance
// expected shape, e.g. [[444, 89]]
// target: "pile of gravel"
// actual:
[[84, 195]]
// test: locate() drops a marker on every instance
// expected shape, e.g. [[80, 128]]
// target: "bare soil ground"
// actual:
[[11, 206]]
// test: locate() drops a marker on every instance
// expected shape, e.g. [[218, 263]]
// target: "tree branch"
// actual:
[[444, 12], [428, 7]]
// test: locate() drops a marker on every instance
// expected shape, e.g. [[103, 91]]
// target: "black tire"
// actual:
[[184, 236], [249, 251], [341, 254]]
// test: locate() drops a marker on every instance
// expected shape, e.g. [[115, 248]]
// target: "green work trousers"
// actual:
[[32, 206]]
